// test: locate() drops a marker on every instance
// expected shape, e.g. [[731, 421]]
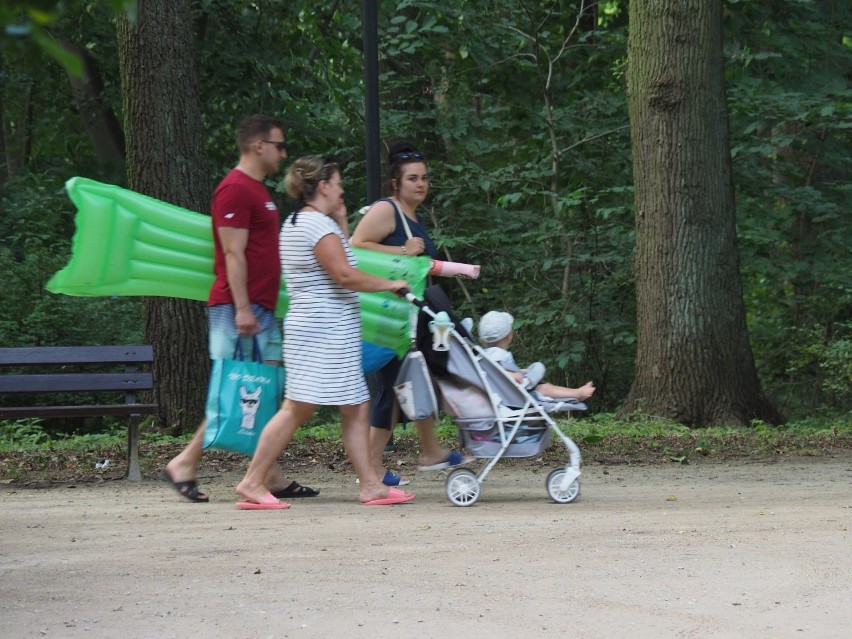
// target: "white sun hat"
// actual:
[[494, 326]]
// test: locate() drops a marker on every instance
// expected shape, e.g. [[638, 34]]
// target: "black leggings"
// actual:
[[383, 400]]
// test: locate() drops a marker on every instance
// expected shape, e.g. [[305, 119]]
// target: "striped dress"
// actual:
[[322, 329]]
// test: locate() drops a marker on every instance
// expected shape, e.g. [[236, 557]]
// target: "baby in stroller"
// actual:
[[497, 416], [496, 334]]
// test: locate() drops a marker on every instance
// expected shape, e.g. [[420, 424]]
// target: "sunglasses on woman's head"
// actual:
[[411, 155]]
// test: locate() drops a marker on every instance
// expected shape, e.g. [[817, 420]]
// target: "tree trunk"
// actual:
[[4, 126], [166, 159], [694, 363], [15, 130], [98, 119]]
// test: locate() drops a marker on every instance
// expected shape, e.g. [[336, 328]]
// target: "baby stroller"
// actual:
[[496, 416]]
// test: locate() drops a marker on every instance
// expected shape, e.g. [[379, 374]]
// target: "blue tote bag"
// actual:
[[242, 397]]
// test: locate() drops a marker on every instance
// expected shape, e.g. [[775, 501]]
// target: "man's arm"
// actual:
[[234, 242]]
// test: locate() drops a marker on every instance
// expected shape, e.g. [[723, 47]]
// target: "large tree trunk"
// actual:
[[694, 363], [166, 159]]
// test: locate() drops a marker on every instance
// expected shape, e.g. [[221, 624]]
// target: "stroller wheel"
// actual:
[[463, 487], [554, 490]]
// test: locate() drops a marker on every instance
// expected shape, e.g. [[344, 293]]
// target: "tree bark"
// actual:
[[166, 159], [694, 363]]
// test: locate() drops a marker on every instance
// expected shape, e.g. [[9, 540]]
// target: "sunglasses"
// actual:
[[412, 155], [281, 146]]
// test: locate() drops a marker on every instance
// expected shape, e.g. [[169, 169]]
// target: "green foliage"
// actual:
[[826, 362], [606, 424], [25, 434], [320, 432], [517, 145], [33, 250], [520, 108], [26, 24], [32, 434], [790, 112], [45, 145], [603, 437], [26, 449]]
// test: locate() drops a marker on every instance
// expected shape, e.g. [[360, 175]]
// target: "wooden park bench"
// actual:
[[83, 369]]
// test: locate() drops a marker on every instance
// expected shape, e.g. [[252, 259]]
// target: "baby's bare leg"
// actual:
[[552, 390]]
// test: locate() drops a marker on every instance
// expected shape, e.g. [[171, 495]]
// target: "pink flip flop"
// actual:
[[268, 503], [395, 496]]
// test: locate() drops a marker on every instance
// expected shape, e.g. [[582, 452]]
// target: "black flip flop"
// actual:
[[295, 490], [188, 488]]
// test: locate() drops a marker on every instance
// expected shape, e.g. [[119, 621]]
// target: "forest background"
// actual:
[[522, 109]]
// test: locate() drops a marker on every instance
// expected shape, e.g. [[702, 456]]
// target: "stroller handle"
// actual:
[[407, 294]]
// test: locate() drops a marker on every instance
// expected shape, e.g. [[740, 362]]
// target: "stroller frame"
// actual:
[[511, 407]]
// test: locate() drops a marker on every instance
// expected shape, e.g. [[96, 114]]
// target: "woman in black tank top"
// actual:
[[392, 225]]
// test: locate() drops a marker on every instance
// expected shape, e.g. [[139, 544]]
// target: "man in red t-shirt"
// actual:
[[244, 294]]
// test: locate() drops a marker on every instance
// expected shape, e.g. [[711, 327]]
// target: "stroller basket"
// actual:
[[528, 441]]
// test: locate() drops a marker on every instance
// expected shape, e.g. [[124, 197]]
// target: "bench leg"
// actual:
[[133, 472]]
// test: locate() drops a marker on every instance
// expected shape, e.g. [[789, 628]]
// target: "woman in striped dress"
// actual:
[[322, 334]]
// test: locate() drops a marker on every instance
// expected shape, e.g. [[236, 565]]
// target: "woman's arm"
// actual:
[[339, 215], [376, 225], [378, 222], [329, 253]]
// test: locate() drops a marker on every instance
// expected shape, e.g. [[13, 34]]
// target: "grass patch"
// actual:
[[605, 439], [28, 454]]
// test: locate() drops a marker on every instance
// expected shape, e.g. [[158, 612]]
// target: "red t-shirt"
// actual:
[[244, 203]]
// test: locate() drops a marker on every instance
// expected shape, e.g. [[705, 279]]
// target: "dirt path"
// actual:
[[705, 550]]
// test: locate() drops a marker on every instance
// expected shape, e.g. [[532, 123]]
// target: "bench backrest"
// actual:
[[77, 382], [128, 381], [58, 355]]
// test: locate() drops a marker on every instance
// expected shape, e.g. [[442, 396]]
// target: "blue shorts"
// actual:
[[223, 333]]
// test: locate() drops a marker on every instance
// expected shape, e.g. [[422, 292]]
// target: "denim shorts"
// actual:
[[223, 333]]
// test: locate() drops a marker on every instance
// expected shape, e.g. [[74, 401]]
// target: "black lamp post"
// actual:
[[369, 22]]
